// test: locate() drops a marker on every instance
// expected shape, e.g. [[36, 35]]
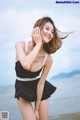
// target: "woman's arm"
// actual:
[[26, 60], [41, 83]]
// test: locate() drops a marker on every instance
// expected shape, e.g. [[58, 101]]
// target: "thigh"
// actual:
[[26, 109], [44, 110]]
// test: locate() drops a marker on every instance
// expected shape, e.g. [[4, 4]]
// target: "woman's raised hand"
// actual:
[[36, 35]]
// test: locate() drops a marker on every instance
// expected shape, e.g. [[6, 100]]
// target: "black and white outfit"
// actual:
[[26, 83]]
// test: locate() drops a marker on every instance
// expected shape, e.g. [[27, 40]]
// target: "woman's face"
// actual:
[[47, 32]]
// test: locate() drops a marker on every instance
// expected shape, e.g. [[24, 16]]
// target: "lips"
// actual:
[[48, 36]]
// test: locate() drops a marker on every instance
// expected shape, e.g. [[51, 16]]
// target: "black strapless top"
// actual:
[[23, 73]]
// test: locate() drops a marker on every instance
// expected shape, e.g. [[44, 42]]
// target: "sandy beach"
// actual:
[[63, 105], [70, 116]]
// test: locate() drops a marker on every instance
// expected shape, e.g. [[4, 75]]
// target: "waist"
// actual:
[[28, 79]]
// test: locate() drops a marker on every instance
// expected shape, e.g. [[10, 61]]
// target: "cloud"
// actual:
[[66, 62], [19, 23], [16, 24], [23, 1]]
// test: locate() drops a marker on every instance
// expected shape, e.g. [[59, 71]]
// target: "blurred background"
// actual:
[[16, 22]]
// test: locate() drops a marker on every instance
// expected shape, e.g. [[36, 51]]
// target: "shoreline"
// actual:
[[68, 116]]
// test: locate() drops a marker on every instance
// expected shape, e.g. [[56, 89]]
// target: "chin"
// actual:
[[46, 41]]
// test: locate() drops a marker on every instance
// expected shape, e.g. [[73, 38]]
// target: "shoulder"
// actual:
[[30, 45], [49, 60], [23, 43], [19, 44]]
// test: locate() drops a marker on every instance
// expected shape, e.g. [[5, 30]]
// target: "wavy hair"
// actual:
[[56, 41]]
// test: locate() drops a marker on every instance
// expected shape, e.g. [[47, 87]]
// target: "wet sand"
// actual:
[[70, 116]]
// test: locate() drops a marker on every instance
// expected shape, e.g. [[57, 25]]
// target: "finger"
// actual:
[[37, 118], [33, 32], [37, 30]]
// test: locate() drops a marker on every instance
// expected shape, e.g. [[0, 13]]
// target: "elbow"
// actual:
[[26, 66]]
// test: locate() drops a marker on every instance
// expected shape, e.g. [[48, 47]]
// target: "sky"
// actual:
[[16, 22]]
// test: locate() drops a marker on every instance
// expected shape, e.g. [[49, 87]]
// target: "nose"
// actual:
[[49, 32]]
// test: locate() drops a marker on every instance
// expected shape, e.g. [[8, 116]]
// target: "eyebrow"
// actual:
[[49, 27]]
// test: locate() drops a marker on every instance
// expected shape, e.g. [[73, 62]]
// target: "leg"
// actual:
[[44, 110], [26, 109]]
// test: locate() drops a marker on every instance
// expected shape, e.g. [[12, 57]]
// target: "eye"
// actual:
[[52, 32], [47, 28]]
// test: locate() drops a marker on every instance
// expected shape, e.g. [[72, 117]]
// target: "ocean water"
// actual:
[[66, 98]]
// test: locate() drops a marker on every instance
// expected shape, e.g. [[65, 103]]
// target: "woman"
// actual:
[[33, 63]]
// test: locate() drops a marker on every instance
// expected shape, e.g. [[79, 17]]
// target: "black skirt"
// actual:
[[28, 90]]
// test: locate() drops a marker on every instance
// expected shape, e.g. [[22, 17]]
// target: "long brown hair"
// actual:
[[56, 42]]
